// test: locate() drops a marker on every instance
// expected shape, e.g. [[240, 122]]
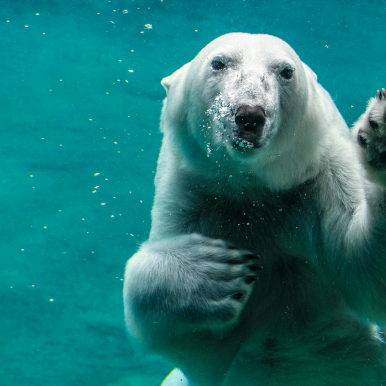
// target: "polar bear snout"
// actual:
[[250, 116], [250, 122]]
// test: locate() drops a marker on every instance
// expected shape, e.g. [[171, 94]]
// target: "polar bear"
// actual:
[[266, 261]]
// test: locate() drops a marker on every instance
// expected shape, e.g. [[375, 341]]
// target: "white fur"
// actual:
[[301, 202], [375, 139]]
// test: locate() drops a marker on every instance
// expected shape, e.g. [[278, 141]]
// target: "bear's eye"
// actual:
[[287, 73], [218, 64], [373, 124]]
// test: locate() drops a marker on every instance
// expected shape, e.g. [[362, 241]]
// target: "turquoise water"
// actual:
[[81, 99]]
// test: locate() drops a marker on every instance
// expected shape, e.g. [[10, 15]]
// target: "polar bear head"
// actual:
[[246, 99]]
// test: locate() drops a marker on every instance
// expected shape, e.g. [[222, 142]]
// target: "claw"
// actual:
[[379, 95], [255, 267], [250, 279], [238, 296], [384, 93], [251, 256]]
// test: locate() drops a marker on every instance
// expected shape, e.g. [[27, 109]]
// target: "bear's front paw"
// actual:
[[217, 280], [370, 133]]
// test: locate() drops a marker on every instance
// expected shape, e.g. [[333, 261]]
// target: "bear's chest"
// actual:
[[270, 224]]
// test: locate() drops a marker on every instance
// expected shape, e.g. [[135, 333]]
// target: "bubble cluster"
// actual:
[[209, 150], [219, 109], [244, 144], [221, 123]]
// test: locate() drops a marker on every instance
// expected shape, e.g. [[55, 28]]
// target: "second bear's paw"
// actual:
[[370, 134]]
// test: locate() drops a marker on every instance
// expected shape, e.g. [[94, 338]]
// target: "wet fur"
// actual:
[[312, 217]]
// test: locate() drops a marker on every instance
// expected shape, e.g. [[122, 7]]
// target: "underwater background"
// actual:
[[79, 141]]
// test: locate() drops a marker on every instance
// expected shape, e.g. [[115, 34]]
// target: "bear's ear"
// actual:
[[309, 72], [166, 83], [177, 76]]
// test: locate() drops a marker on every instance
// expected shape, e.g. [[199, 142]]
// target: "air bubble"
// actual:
[[208, 149]]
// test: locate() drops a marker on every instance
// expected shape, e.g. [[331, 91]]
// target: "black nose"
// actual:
[[250, 118]]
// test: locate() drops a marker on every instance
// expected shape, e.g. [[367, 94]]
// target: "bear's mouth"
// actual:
[[244, 142]]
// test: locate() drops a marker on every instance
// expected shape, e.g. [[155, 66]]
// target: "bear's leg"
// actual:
[[184, 283]]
